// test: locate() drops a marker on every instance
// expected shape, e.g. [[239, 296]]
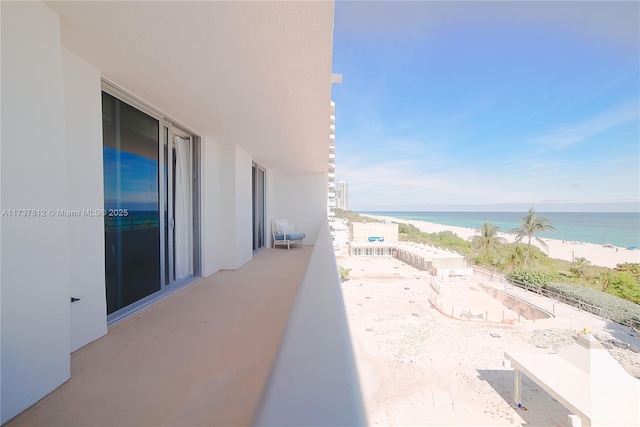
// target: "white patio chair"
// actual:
[[284, 234]]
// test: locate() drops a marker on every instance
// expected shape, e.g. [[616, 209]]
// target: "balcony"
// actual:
[[267, 344]]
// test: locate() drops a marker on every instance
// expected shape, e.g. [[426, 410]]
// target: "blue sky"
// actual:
[[464, 104], [138, 181]]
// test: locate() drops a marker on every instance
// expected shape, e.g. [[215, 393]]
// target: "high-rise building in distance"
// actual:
[[331, 194], [342, 195]]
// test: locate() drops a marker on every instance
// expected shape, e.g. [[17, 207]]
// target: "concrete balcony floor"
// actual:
[[201, 356]]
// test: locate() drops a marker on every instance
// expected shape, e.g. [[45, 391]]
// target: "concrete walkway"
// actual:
[[202, 356], [566, 315]]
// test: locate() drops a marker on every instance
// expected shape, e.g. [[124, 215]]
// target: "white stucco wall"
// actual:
[[244, 208], [301, 198], [210, 212], [35, 250], [86, 191], [235, 227]]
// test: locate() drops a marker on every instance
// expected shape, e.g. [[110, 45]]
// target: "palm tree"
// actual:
[[515, 257], [580, 265], [529, 225], [488, 241]]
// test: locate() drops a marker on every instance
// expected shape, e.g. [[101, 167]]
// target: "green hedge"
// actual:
[[536, 278], [444, 239], [615, 308]]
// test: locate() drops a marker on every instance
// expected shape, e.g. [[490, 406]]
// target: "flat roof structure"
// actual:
[[585, 379], [430, 252]]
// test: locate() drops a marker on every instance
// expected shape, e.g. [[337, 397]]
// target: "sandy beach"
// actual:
[[595, 254], [418, 367]]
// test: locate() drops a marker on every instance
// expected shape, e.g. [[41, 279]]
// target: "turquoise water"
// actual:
[[133, 221], [619, 229]]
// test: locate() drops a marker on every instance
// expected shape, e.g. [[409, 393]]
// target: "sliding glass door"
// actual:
[[131, 222], [149, 184], [179, 181], [258, 187]]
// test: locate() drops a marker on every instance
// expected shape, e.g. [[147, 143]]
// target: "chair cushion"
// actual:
[[296, 236], [292, 236]]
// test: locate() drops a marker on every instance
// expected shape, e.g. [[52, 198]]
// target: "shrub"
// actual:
[[632, 268], [445, 239], [344, 273], [532, 277], [615, 308], [624, 285], [513, 254], [351, 216]]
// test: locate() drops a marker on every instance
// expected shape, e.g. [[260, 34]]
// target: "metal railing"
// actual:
[[603, 313]]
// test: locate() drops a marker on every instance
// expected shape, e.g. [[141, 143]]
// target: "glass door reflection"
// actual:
[[132, 235]]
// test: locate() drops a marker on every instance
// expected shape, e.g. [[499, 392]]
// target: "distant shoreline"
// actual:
[[620, 229], [566, 250]]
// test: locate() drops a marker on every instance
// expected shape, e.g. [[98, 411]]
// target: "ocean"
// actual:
[[618, 229], [132, 221]]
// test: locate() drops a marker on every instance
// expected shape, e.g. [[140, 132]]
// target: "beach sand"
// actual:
[[418, 367], [558, 249]]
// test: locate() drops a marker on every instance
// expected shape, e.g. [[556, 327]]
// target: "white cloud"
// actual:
[[569, 134], [407, 184]]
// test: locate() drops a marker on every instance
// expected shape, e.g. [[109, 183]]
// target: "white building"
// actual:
[[331, 196], [366, 232], [342, 195], [193, 124]]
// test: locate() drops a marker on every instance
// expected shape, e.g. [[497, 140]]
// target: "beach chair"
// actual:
[[284, 234]]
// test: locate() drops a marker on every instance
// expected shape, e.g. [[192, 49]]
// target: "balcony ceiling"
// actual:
[[256, 74]]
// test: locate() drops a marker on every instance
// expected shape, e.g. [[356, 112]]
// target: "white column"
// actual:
[[575, 421], [517, 391]]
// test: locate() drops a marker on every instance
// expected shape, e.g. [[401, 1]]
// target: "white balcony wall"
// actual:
[[83, 111], [226, 207], [210, 211], [301, 198], [314, 380], [35, 256], [235, 227]]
